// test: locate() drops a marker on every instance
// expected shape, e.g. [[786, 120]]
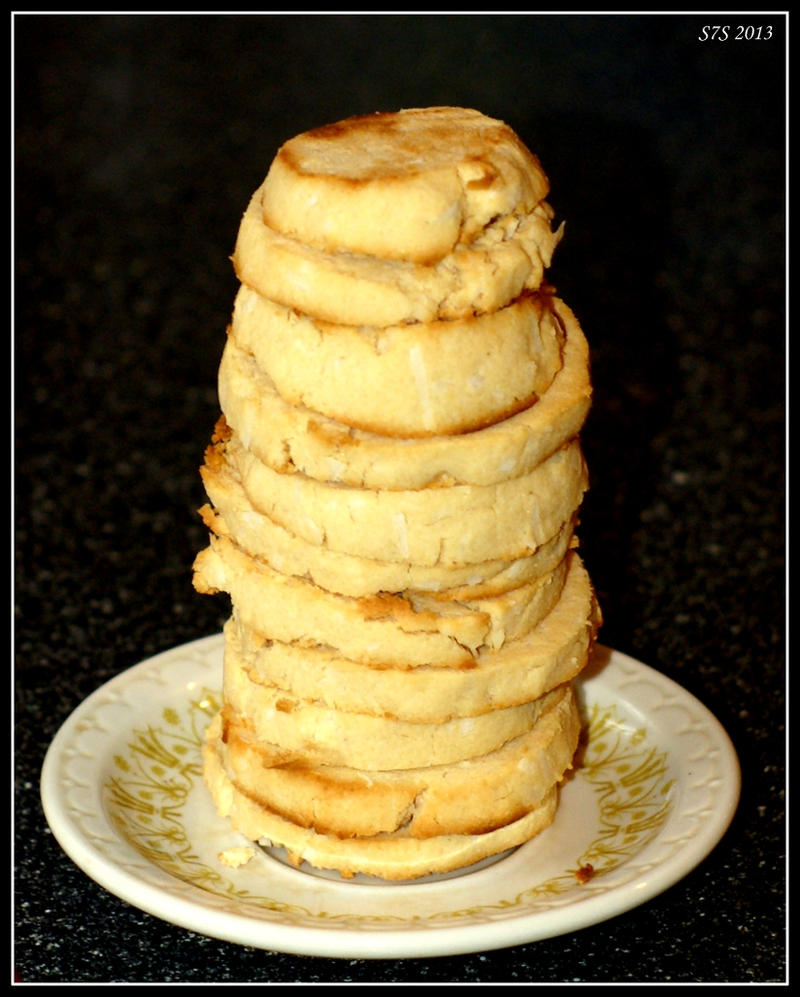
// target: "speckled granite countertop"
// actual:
[[138, 143]]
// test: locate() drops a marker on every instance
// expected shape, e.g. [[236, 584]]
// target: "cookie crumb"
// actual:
[[234, 857], [585, 873]]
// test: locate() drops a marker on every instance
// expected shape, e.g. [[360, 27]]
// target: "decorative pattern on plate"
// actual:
[[145, 801]]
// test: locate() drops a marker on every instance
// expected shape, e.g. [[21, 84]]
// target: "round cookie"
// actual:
[[460, 524], [406, 185], [391, 857], [307, 730], [234, 515], [552, 653], [468, 797], [508, 257], [293, 438], [419, 379], [400, 629]]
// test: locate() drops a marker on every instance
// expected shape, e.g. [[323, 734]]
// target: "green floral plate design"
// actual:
[[655, 786]]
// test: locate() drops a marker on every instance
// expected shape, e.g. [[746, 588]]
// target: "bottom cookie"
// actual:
[[387, 856]]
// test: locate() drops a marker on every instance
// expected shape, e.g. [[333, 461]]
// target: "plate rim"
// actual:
[[246, 929]]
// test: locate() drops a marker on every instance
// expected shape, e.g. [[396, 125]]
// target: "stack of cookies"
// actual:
[[393, 490]]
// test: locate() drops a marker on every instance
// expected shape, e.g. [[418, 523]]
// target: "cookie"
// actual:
[[419, 379], [390, 628], [510, 256], [234, 515], [459, 524], [467, 797], [392, 857], [318, 735], [554, 652], [407, 185], [293, 438]]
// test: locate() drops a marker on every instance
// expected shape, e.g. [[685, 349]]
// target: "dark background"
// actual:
[[137, 143]]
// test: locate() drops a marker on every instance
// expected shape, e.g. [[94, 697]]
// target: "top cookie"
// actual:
[[409, 185]]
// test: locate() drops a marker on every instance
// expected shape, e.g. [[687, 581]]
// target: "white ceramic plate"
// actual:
[[656, 787]]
